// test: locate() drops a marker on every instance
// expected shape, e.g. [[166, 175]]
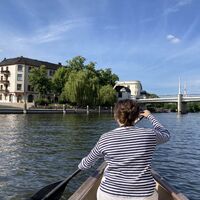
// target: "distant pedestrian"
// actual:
[[128, 152]]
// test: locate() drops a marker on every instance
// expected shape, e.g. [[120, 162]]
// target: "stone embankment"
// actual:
[[19, 108]]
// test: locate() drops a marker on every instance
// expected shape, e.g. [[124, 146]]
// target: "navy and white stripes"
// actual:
[[128, 153]]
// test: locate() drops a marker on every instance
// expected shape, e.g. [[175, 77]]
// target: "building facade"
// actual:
[[14, 78], [128, 89]]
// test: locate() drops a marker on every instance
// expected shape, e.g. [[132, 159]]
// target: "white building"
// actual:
[[128, 89], [14, 83]]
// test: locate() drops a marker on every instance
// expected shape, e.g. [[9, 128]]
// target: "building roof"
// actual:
[[29, 62]]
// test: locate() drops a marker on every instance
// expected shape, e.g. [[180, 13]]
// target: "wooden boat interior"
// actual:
[[87, 191]]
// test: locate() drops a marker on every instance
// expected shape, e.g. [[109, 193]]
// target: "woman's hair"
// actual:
[[126, 111]]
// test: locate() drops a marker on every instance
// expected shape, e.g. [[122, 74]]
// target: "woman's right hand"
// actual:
[[145, 113]]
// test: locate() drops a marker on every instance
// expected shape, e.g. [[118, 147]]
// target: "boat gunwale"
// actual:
[[87, 185]]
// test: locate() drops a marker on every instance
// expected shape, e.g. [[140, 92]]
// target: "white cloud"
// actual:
[[184, 2], [173, 39], [53, 32], [177, 6]]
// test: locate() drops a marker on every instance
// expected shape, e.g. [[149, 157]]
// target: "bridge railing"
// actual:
[[175, 95]]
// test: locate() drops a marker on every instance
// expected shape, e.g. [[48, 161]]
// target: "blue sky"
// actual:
[[154, 41]]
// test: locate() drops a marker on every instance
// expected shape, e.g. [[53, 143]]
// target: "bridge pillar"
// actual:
[[182, 106], [179, 108]]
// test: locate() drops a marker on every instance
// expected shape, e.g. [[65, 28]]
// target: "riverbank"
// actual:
[[50, 111], [30, 108], [60, 109]]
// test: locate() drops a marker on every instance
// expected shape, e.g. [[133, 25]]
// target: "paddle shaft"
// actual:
[[139, 119], [62, 184]]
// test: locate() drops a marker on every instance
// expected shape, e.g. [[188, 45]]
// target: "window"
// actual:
[[51, 72], [29, 69], [20, 68], [10, 97], [0, 96], [30, 88], [1, 87], [1, 78], [19, 86], [19, 77]]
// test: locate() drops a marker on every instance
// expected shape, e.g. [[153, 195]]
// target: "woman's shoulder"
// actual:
[[143, 129], [111, 133]]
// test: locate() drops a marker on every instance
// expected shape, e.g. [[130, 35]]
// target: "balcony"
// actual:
[[6, 72], [5, 82], [4, 91]]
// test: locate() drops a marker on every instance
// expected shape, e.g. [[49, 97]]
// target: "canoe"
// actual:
[[87, 191]]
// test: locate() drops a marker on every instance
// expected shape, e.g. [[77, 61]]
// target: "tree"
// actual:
[[107, 95], [151, 95], [76, 63], [81, 88], [40, 81], [83, 82], [59, 79], [193, 107], [106, 77]]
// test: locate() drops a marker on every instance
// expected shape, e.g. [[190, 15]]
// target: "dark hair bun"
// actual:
[[126, 111]]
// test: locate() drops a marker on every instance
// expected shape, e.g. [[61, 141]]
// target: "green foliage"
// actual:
[[41, 102], [40, 81], [150, 95], [77, 83], [151, 107], [82, 82], [107, 95], [170, 106], [161, 107], [59, 79], [76, 63], [62, 99], [81, 88], [106, 77], [193, 107]]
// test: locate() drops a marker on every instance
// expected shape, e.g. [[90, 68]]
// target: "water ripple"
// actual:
[[36, 150]]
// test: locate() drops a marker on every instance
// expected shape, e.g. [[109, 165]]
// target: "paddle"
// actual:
[[138, 119], [53, 191]]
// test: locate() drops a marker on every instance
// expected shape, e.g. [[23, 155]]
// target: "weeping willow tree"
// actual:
[[107, 95], [82, 83], [81, 88]]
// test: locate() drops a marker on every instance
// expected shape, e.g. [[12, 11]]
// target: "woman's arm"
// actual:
[[162, 134], [91, 158]]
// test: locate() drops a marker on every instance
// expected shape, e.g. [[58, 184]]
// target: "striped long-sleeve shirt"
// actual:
[[128, 153]]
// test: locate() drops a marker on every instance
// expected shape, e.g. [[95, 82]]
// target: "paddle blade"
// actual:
[[56, 195], [53, 191], [44, 191]]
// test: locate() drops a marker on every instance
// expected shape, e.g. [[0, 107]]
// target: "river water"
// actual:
[[36, 150]]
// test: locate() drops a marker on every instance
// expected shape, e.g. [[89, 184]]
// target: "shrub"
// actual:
[[42, 102]]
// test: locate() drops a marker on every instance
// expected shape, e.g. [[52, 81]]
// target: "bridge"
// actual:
[[133, 90], [180, 99]]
